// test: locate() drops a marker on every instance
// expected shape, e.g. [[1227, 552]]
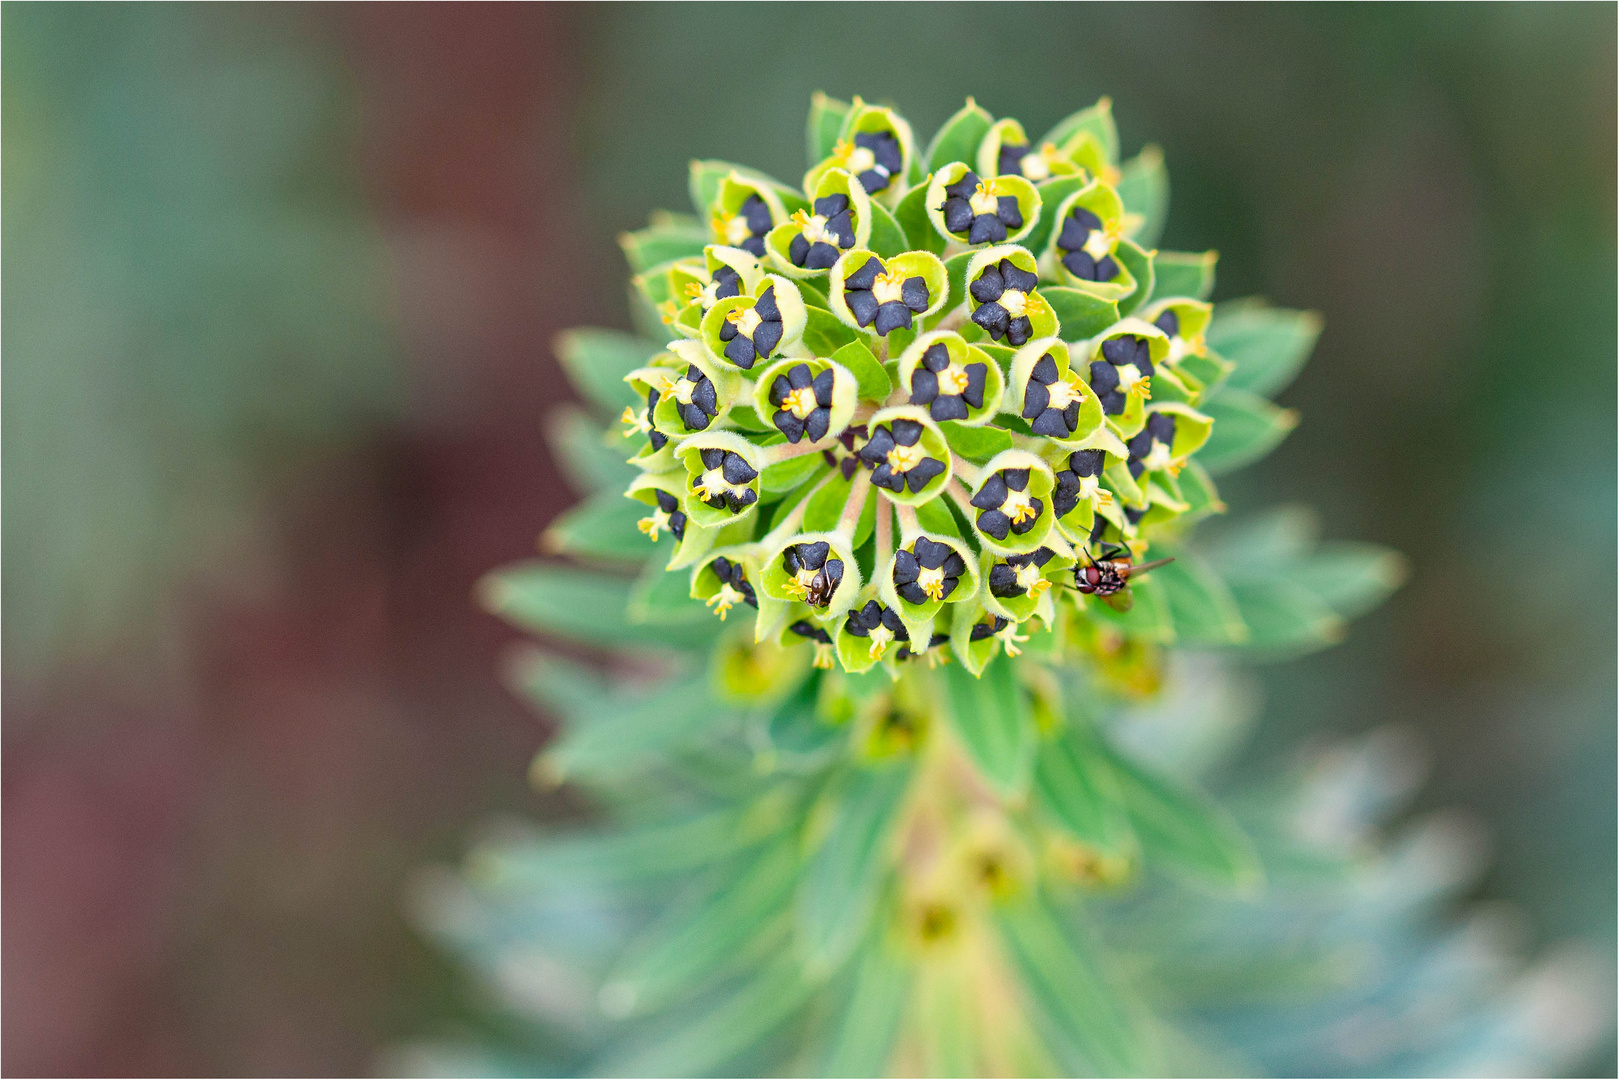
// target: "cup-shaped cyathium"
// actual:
[[1079, 490], [722, 477], [1121, 365], [1020, 586], [697, 284], [816, 569], [927, 570], [1011, 507], [976, 634], [757, 325], [811, 399], [907, 454], [879, 296], [743, 212], [1007, 151], [722, 580], [1170, 434], [951, 379], [1002, 298], [1052, 398], [654, 450], [972, 209], [870, 631], [1087, 229], [876, 148], [838, 218], [693, 399], [1185, 322]]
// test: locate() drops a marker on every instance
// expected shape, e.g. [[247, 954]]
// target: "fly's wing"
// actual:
[[1120, 601]]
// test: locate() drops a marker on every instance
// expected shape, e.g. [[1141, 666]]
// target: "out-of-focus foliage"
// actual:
[[192, 301]]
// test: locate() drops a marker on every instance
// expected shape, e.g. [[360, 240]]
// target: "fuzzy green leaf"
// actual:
[[825, 121], [1139, 263], [912, 216], [596, 362], [1185, 832], [958, 139], [955, 269], [824, 334], [635, 736], [887, 238], [662, 598], [789, 474], [845, 875], [1246, 428], [1096, 119], [1144, 189], [1071, 995], [1148, 617], [1183, 273], [1268, 345], [1075, 782], [1081, 314], [976, 444], [872, 381], [993, 722]]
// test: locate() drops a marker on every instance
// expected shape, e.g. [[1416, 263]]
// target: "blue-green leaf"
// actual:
[[1139, 263], [633, 736], [1285, 618], [1144, 188], [824, 333], [582, 447], [1350, 578], [596, 362], [887, 238], [912, 216], [825, 121], [603, 527], [1199, 602], [789, 474], [1246, 428], [993, 722], [871, 1018], [1268, 345], [1183, 273], [845, 875], [1185, 832], [1081, 1012], [670, 236], [578, 605], [1075, 782]]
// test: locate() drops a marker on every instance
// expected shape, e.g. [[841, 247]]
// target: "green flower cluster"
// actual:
[[933, 403]]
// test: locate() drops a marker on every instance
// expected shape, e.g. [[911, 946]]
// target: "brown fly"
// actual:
[[1109, 577]]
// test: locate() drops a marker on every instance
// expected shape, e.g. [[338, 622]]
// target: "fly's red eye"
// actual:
[[1092, 575]]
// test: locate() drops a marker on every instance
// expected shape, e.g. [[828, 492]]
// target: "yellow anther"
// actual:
[[952, 380], [1019, 506], [880, 637], [654, 524], [905, 458], [823, 655], [888, 287], [983, 199], [931, 582], [724, 600], [801, 402]]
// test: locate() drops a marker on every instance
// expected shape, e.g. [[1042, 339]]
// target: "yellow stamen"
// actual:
[[639, 422], [694, 289], [880, 637], [724, 600], [1015, 301], [683, 390], [931, 582], [952, 380], [711, 484], [937, 657], [823, 655], [654, 524], [1019, 506], [732, 228], [801, 402], [1010, 639], [983, 200], [1065, 392], [905, 458], [813, 226], [888, 286], [667, 312], [857, 159], [1030, 581], [798, 585], [745, 319]]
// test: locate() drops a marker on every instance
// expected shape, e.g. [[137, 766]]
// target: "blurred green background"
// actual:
[[281, 281]]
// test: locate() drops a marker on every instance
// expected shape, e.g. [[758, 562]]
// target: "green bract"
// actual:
[[910, 435]]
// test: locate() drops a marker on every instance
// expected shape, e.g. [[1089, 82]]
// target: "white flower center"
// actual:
[[683, 390], [1131, 381], [1098, 243], [880, 637], [735, 230], [713, 483], [1065, 392], [1014, 301], [859, 159], [888, 287], [746, 320], [1157, 458], [814, 228], [952, 380]]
